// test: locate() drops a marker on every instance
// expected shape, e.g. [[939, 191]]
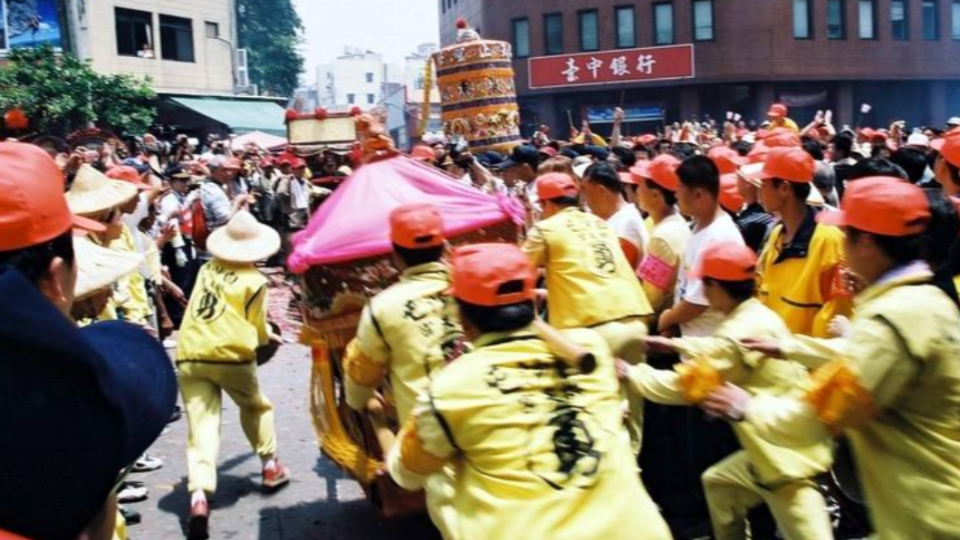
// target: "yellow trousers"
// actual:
[[625, 339], [201, 384], [797, 506]]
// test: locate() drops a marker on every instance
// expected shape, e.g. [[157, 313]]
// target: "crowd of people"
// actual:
[[796, 285]]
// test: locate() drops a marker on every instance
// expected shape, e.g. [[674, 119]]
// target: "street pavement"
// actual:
[[320, 503]]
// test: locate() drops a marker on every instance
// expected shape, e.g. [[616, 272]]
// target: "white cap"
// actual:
[[581, 164], [954, 121], [919, 140]]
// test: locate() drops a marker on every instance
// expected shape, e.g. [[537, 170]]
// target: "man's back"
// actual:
[[589, 280], [411, 328], [541, 446]]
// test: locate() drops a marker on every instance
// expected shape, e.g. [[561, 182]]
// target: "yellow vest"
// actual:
[[589, 280], [803, 284], [411, 327], [542, 452], [130, 291], [908, 455], [772, 464], [226, 320]]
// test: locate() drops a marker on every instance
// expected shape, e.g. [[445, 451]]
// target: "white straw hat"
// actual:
[[92, 192], [243, 239], [99, 267]]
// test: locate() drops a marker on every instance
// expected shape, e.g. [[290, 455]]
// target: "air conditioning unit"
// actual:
[[243, 71], [249, 90]]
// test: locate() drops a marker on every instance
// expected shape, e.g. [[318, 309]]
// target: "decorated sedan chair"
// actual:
[[344, 259]]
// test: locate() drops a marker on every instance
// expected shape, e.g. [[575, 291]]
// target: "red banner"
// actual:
[[610, 67]]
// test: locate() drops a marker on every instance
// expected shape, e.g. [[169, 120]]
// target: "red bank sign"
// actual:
[[609, 67]]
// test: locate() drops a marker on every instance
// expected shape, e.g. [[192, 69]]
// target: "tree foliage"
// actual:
[[61, 94], [270, 30]]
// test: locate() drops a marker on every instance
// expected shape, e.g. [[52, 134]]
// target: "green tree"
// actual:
[[61, 93], [270, 30]]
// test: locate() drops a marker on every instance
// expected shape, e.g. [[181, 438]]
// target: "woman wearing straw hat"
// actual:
[[225, 324]]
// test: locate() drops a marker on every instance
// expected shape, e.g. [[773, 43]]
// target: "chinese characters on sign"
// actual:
[[657, 63]]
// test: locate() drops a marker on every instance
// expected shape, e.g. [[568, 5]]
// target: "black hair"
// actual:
[[875, 166], [669, 197], [912, 161], [843, 143], [498, 318], [566, 200], [700, 172], [812, 147], [942, 236], [800, 191], [900, 249], [34, 261], [684, 150], [606, 175], [625, 155], [742, 147], [416, 257], [741, 291]]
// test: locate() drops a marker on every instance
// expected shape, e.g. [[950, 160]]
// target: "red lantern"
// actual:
[[320, 113], [291, 115], [16, 119], [355, 111]]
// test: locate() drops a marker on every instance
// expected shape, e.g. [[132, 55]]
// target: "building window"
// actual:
[[589, 31], [371, 99], [663, 23], [931, 21], [801, 19], [176, 38], [351, 99], [134, 33], [868, 19], [213, 30], [626, 27], [899, 20], [553, 33], [703, 20], [521, 38], [369, 77], [955, 19], [836, 19]]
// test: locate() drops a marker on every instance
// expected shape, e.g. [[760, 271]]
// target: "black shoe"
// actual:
[[130, 516], [177, 415]]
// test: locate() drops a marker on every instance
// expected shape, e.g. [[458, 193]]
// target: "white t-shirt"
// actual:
[[628, 224], [723, 229]]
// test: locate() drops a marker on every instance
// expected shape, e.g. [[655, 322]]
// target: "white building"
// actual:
[[188, 49], [357, 77]]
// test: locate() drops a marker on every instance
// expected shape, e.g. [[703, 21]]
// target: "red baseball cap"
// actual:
[[777, 110], [127, 174], [949, 147], [881, 205], [937, 144], [647, 139], [423, 153], [730, 197], [726, 159], [493, 275], [791, 164], [661, 170], [726, 261], [779, 137], [33, 209], [555, 185], [416, 226], [627, 178]]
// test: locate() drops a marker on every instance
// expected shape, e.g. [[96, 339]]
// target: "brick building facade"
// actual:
[[899, 56]]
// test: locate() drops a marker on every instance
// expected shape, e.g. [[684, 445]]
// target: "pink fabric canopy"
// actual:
[[354, 223], [261, 139]]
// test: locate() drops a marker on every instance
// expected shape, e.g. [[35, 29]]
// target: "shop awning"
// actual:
[[240, 115]]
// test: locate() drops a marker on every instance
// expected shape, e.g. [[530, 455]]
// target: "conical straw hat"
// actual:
[[243, 239], [99, 267], [92, 192]]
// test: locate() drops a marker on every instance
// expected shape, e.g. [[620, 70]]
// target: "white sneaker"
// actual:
[[147, 463]]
